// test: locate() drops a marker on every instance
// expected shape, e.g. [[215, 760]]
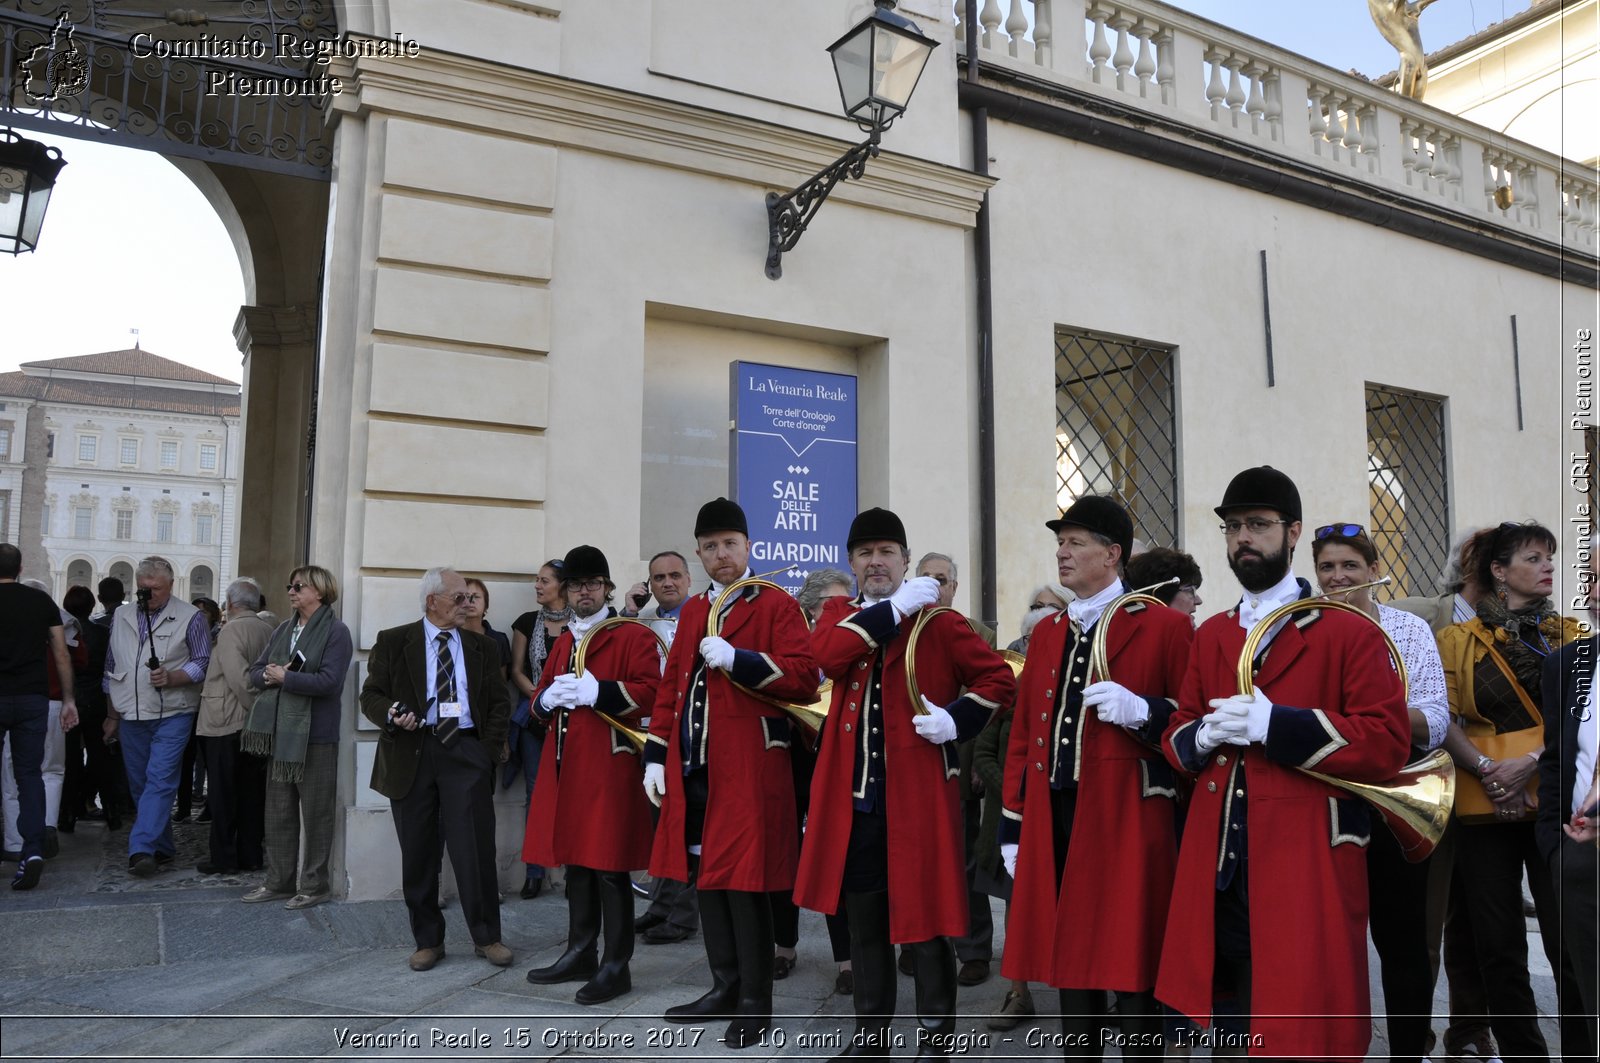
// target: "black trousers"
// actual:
[[785, 915], [1574, 867], [1397, 893], [1490, 859], [191, 753], [236, 794], [451, 797]]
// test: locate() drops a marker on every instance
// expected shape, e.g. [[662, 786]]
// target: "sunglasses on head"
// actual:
[[1343, 531]]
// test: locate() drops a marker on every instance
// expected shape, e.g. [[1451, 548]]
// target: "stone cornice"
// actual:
[[469, 93]]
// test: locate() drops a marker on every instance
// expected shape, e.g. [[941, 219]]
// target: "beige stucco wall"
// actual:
[[519, 254]]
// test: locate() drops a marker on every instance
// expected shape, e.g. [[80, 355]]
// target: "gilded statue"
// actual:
[[1397, 21]]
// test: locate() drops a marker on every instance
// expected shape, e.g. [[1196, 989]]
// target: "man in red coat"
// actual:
[[1270, 899], [717, 762], [885, 825], [587, 811], [1089, 824]]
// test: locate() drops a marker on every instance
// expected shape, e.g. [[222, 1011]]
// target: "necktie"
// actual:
[[444, 691]]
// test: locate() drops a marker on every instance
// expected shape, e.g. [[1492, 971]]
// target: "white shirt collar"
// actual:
[[717, 588], [580, 625], [431, 631], [1085, 611], [1252, 607]]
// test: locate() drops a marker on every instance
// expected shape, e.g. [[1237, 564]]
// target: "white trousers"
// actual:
[[55, 772]]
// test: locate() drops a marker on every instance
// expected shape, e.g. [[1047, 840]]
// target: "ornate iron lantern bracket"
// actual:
[[789, 214]]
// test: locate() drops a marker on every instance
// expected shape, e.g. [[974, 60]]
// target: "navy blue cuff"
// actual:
[[540, 709], [1301, 738], [971, 716], [1183, 744], [610, 698], [876, 623], [655, 750], [752, 670], [1152, 729], [1010, 831]]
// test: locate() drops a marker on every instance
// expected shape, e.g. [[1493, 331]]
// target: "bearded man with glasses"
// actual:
[[1270, 898], [435, 690]]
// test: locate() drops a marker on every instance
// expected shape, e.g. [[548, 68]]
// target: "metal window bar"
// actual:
[[1117, 428], [1408, 486]]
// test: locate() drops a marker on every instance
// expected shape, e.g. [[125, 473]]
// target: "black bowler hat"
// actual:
[[1262, 488], [876, 524], [1100, 515], [719, 515], [585, 562]]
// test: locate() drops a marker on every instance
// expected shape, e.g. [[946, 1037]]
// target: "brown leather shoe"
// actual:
[[973, 972], [496, 954], [426, 959]]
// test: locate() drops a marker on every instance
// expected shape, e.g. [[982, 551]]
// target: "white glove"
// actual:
[[1223, 726], [562, 693], [1255, 710], [717, 652], [913, 594], [938, 726], [1008, 854], [586, 690], [655, 783], [1116, 704]]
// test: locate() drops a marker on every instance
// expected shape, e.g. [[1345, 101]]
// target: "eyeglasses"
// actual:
[[1343, 531], [296, 588], [456, 599], [586, 584], [1257, 526]]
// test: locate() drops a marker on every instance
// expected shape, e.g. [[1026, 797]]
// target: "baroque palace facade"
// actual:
[[107, 458], [1111, 246]]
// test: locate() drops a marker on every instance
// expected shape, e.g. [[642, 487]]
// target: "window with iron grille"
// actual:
[[1117, 428], [1409, 488]]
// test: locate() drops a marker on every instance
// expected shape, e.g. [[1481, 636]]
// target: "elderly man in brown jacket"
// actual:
[[236, 781]]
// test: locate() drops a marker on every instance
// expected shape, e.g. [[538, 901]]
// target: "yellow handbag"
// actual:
[[1472, 802]]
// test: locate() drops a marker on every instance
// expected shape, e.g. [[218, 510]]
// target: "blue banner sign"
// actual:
[[794, 467]]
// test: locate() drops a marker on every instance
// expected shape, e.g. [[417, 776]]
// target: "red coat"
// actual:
[[1103, 928], [750, 830], [927, 856], [1307, 840], [589, 807]]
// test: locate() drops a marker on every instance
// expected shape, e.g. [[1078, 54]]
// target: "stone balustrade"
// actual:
[[1148, 56]]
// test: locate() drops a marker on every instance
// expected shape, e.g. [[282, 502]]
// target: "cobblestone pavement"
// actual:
[[99, 965]]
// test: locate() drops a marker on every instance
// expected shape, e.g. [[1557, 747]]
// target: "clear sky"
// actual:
[[130, 243]]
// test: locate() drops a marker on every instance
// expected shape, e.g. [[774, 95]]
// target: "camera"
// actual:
[[144, 594]]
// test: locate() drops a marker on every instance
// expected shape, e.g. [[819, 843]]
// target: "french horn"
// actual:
[[809, 715], [1416, 803], [634, 735], [1013, 659], [1099, 658]]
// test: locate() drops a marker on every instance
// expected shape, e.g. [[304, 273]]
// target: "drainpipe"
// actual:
[[988, 566]]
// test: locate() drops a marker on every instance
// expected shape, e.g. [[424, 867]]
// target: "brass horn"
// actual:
[[1014, 660], [634, 735], [1099, 663], [1416, 803], [809, 715]]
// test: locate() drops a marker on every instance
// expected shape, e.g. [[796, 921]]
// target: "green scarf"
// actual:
[[279, 725]]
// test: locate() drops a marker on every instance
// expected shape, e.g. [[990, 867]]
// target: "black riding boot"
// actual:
[[616, 918], [716, 929], [1084, 1023], [933, 965], [753, 943], [872, 961], [578, 963]]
